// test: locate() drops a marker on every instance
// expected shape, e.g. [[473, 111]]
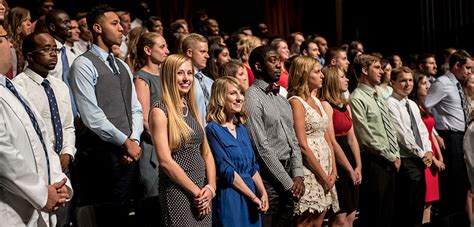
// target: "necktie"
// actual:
[[200, 76], [274, 88], [111, 61], [414, 126], [34, 122], [55, 118], [389, 130], [463, 103], [65, 64]]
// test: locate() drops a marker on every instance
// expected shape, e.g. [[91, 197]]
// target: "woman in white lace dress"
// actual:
[[311, 122]]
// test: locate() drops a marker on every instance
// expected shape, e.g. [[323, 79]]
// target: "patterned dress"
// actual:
[[176, 204], [314, 198]]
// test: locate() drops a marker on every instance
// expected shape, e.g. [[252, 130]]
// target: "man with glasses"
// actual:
[[50, 96], [32, 185]]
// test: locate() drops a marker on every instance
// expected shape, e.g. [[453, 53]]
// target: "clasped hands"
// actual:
[[203, 201], [132, 151], [57, 195]]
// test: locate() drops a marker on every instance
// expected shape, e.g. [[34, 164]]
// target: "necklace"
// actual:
[[231, 128], [185, 108]]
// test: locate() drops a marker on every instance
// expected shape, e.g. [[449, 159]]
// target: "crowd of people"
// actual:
[[109, 121]]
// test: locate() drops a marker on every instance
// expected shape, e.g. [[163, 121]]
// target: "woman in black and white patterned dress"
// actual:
[[187, 170]]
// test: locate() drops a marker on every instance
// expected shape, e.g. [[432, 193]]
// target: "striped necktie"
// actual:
[[200, 78], [389, 129], [34, 122], [463, 103]]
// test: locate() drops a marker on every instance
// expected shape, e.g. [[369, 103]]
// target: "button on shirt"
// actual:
[[402, 123], [368, 123], [31, 82], [270, 126], [444, 102], [83, 78]]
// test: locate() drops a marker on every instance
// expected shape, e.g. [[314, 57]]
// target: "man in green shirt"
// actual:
[[379, 147]]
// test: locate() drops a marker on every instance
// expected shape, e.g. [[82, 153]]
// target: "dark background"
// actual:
[[389, 26]]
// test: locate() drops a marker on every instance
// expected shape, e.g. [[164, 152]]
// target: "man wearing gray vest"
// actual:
[[110, 124]]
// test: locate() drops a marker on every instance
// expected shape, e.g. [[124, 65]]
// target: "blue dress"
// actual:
[[230, 208]]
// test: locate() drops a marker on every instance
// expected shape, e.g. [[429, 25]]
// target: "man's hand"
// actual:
[[65, 160], [428, 158], [397, 163], [57, 195], [298, 187], [132, 149]]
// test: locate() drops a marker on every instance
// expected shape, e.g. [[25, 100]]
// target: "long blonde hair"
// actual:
[[178, 131], [331, 90], [298, 76], [216, 108]]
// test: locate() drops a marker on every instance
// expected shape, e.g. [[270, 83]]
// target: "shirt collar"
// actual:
[[452, 77], [367, 89], [99, 52], [399, 97], [260, 84], [2, 80], [59, 45], [35, 76]]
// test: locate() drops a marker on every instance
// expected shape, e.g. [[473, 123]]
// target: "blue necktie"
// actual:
[[200, 76], [65, 64], [34, 122], [55, 118], [111, 61]]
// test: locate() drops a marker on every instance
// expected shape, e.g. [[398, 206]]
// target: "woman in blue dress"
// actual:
[[240, 195]]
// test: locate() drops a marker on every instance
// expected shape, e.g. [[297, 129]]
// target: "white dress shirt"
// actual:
[[402, 123], [58, 70], [31, 82], [81, 46]]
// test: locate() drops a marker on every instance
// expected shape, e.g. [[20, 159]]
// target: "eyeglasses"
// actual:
[[6, 36], [49, 50]]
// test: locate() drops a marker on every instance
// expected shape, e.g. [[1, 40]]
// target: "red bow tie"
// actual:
[[274, 88]]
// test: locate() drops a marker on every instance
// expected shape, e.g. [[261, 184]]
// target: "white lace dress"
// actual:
[[314, 198]]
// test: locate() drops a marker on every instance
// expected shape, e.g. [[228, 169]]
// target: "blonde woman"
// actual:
[[240, 192], [344, 142], [187, 170], [312, 131]]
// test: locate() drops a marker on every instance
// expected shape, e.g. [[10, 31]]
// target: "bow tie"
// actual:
[[274, 88]]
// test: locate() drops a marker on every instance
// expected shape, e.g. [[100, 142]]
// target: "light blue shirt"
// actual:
[[83, 78], [200, 98], [444, 102]]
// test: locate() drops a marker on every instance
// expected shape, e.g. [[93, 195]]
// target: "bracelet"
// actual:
[[253, 198], [211, 189]]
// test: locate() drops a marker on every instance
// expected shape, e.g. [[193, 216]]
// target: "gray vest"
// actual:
[[113, 93]]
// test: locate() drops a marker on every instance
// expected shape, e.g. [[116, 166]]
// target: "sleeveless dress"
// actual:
[[347, 192], [431, 173], [148, 162], [314, 198], [176, 204]]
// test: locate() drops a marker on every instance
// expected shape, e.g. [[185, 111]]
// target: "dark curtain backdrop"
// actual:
[[390, 26]]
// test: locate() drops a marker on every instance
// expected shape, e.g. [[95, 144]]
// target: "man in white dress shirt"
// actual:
[[415, 150], [32, 184], [44, 90]]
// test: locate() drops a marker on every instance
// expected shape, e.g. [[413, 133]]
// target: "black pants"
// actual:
[[454, 182], [104, 184], [280, 212], [410, 192], [377, 191]]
